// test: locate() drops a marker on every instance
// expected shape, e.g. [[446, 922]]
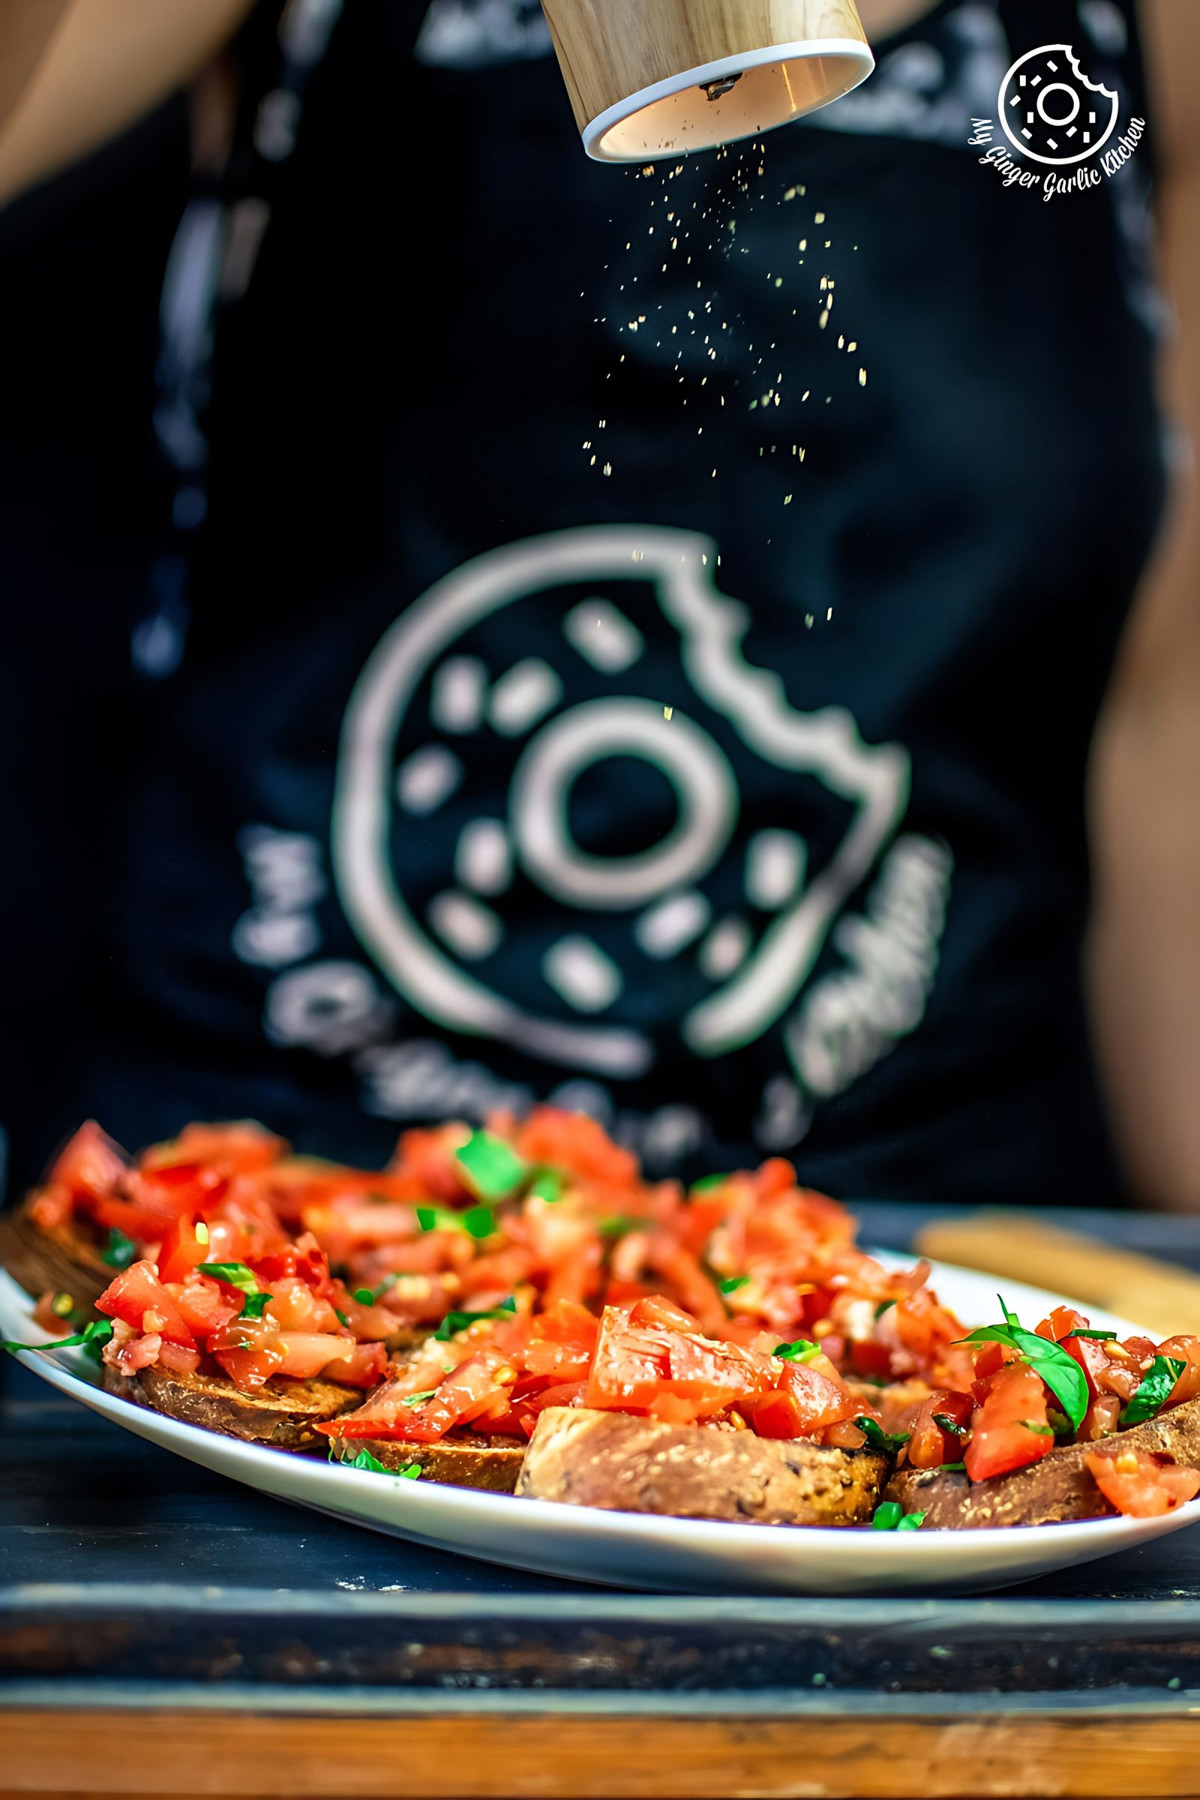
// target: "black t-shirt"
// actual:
[[631, 637]]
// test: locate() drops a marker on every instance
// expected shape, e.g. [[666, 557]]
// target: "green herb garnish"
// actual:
[[548, 1186], [364, 1460], [878, 1438], [480, 1221], [891, 1516], [1155, 1389], [492, 1168], [255, 1305], [1057, 1368], [233, 1274], [707, 1183], [619, 1226], [419, 1399], [952, 1425], [884, 1306], [802, 1351], [1041, 1430], [458, 1321], [952, 1468], [340, 1316], [364, 1296], [1101, 1337], [732, 1285], [92, 1337], [120, 1250]]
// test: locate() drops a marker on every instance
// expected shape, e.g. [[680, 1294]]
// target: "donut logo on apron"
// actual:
[[571, 817], [1051, 112]]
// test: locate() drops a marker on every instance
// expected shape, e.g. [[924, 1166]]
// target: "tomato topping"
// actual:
[[1141, 1484], [205, 1305], [1010, 1428], [139, 1298], [91, 1165], [932, 1444], [182, 1248]]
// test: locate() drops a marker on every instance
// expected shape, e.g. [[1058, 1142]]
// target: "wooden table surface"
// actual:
[[163, 1631]]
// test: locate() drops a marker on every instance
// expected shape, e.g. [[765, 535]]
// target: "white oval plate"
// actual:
[[627, 1549]]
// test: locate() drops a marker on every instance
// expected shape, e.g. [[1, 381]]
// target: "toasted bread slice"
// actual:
[[1058, 1488], [63, 1260], [463, 1460], [626, 1464], [283, 1414]]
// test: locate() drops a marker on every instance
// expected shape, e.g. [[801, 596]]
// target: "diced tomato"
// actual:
[[1091, 1356], [931, 1444], [307, 1354], [181, 1249], [141, 1353], [91, 1165], [139, 1297], [179, 1360], [239, 1148], [206, 1305], [364, 1366], [1004, 1435], [141, 1223], [1142, 1484], [1061, 1323], [806, 1402]]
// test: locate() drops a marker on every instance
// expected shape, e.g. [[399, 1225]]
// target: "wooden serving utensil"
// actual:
[[1163, 1298]]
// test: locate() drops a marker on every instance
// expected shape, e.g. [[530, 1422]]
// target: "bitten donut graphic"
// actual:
[[573, 819], [1051, 112]]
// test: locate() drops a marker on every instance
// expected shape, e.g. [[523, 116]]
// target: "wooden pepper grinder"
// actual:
[[658, 78]]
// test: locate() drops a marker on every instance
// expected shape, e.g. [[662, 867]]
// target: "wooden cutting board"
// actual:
[[1155, 1294]]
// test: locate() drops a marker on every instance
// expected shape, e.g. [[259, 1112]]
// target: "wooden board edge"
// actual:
[[1088, 1755]]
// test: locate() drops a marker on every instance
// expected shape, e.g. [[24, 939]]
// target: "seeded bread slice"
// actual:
[[1058, 1488], [625, 1464], [465, 1460], [283, 1414]]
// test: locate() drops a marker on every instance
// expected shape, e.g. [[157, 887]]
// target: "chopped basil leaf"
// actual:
[[618, 1227], [1041, 1430], [365, 1296], [949, 1424], [419, 1399], [1155, 1389], [233, 1274], [911, 1522], [878, 1438], [411, 1473], [492, 1168], [120, 1250], [951, 1468], [479, 1221], [255, 1305], [385, 1287], [802, 1351], [458, 1321], [707, 1183], [364, 1460], [1101, 1337], [340, 1316], [887, 1516], [91, 1337], [733, 1284], [883, 1307], [548, 1186], [1056, 1366]]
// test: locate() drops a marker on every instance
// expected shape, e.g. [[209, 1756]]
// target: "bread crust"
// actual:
[[1058, 1488], [283, 1414], [489, 1464], [625, 1464], [62, 1260]]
